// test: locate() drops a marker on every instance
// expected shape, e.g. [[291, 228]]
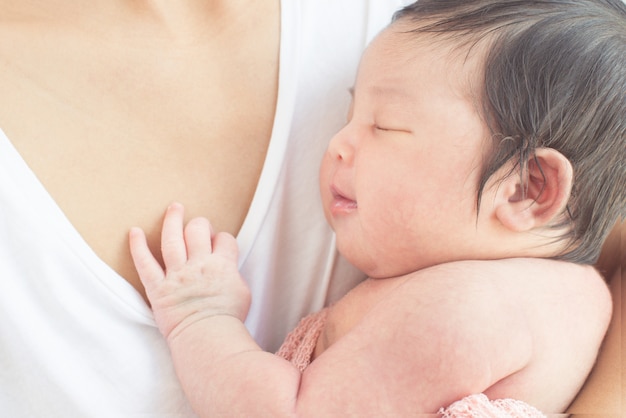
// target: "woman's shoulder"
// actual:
[[603, 393]]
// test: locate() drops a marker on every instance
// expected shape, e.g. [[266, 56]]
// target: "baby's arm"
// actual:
[[200, 302], [386, 364], [424, 340], [412, 351]]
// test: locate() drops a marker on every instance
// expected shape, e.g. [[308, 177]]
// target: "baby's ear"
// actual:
[[547, 182]]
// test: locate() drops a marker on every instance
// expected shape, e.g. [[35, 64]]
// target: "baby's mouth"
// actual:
[[341, 203]]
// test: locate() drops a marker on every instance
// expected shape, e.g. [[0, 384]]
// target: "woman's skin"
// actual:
[[604, 393], [140, 90]]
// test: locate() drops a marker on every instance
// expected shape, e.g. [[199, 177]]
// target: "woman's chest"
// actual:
[[114, 139]]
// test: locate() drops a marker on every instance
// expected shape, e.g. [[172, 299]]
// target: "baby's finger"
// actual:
[[225, 245], [198, 238], [147, 266], [172, 241]]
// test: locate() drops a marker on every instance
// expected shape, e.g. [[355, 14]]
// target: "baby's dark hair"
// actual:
[[554, 76]]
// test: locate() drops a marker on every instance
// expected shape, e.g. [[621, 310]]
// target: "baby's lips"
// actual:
[[341, 203]]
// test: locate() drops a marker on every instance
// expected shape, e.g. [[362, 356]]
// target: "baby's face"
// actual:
[[399, 181]]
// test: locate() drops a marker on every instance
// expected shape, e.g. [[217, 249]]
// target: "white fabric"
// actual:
[[76, 340], [287, 248]]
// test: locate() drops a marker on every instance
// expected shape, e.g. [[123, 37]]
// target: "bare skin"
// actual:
[[415, 335], [604, 392], [104, 102], [504, 327], [113, 105]]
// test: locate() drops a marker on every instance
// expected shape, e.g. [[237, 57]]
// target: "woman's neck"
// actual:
[[186, 19], [182, 21]]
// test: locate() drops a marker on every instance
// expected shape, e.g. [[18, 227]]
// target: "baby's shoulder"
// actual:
[[550, 295], [553, 295], [547, 317], [502, 327], [529, 283]]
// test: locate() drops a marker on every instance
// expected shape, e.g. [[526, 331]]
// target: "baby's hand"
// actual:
[[200, 279]]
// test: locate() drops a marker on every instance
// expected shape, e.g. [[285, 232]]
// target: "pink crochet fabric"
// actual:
[[299, 345], [479, 406]]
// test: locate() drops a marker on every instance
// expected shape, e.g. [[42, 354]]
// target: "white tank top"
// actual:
[[76, 340]]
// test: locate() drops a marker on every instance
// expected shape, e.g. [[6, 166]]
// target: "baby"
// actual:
[[480, 169]]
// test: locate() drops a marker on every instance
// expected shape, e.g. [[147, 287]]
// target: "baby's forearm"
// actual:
[[225, 373], [199, 302]]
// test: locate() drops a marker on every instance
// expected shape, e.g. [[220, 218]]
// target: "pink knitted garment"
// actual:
[[299, 345], [479, 406]]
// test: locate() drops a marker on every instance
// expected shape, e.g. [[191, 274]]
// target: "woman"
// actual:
[[604, 392], [107, 109]]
